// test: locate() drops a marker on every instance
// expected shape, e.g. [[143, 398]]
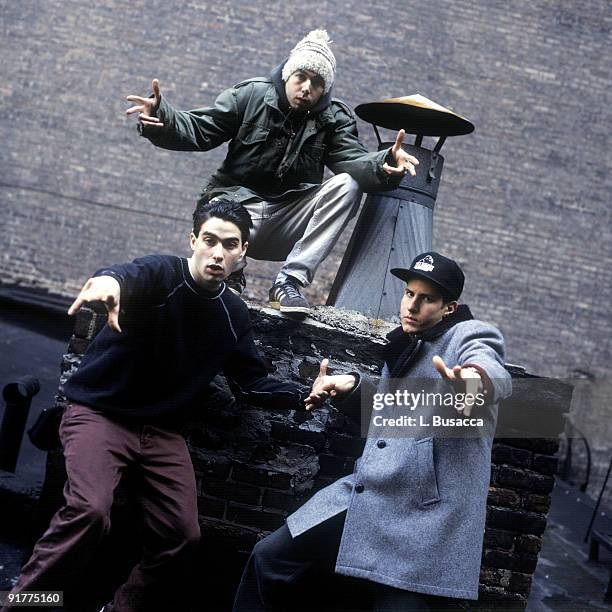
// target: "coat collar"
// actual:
[[402, 347]]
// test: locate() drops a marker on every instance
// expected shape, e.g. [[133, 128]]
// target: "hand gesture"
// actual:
[[403, 162], [101, 289], [463, 379], [146, 107], [326, 386]]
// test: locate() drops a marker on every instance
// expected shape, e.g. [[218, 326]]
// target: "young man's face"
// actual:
[[304, 89], [216, 249], [422, 306]]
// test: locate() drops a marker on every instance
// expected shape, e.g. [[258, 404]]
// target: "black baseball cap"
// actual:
[[440, 270]]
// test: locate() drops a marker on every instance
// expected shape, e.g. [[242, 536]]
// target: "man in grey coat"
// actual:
[[283, 130], [410, 518]]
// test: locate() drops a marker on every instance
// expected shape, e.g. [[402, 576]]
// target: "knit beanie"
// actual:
[[313, 53]]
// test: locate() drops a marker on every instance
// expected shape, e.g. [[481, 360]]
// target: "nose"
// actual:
[[413, 305], [218, 252], [306, 85]]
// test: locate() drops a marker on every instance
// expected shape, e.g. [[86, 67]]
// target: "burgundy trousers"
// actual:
[[97, 450]]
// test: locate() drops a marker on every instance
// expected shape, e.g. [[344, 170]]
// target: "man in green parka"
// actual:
[[282, 131]]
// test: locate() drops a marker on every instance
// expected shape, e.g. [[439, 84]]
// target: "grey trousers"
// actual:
[[302, 228]]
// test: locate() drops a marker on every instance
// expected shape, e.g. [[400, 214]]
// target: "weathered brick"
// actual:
[[501, 453], [509, 560], [281, 501], [504, 497], [494, 577], [227, 535], [262, 476], [210, 506], [497, 538], [235, 491], [316, 439], [513, 520], [529, 544], [332, 465], [254, 517], [523, 479], [536, 503], [520, 583]]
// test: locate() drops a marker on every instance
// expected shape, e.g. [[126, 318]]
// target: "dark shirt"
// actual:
[[176, 337]]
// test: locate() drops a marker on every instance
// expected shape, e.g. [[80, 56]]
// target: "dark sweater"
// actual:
[[176, 337]]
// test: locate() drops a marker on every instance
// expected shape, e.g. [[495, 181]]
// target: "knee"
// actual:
[[94, 516], [349, 185], [188, 536]]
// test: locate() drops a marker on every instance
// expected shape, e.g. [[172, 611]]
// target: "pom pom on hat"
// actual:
[[313, 53]]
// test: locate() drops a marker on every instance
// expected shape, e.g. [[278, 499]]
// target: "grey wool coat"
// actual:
[[416, 501]]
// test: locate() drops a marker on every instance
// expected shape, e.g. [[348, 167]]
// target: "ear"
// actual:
[[245, 246], [452, 307], [192, 241]]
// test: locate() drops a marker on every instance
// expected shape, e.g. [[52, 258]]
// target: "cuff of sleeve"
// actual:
[[339, 399], [386, 179], [487, 385], [160, 112]]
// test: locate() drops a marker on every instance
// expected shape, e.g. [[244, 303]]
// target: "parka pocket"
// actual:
[[428, 484], [250, 133], [312, 162]]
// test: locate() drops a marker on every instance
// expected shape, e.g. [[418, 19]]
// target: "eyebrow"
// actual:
[[211, 235]]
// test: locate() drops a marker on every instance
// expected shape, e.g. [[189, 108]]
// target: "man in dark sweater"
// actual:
[[172, 326]]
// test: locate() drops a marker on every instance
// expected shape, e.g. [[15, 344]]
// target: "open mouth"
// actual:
[[214, 269]]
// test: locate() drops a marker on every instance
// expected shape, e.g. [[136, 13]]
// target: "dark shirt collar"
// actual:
[[191, 283]]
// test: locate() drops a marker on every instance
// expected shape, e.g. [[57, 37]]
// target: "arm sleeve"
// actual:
[[482, 346], [346, 153], [248, 379], [141, 281], [357, 404], [200, 129]]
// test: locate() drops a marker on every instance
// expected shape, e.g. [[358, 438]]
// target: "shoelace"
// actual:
[[290, 290]]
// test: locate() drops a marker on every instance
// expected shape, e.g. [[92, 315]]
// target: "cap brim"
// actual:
[[406, 274]]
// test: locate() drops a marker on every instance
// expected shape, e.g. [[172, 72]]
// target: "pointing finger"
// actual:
[[399, 139], [323, 368]]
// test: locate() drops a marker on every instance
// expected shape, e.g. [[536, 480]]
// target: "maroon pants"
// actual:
[[97, 450]]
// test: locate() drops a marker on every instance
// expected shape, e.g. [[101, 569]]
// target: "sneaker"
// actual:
[[286, 297], [236, 282]]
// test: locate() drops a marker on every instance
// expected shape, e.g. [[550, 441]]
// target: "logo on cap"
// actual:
[[425, 264]]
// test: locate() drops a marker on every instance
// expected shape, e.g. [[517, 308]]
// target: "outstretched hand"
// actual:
[[466, 380], [403, 162], [326, 386], [104, 289], [146, 107]]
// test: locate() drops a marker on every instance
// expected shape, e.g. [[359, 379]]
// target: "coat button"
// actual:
[[359, 488], [381, 444]]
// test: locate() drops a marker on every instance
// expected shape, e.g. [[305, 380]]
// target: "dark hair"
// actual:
[[222, 208]]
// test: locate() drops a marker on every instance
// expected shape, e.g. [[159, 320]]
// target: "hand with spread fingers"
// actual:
[[104, 289], [146, 107], [404, 163], [465, 379], [326, 386]]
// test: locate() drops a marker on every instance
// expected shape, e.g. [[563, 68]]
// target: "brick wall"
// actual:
[[523, 202]]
